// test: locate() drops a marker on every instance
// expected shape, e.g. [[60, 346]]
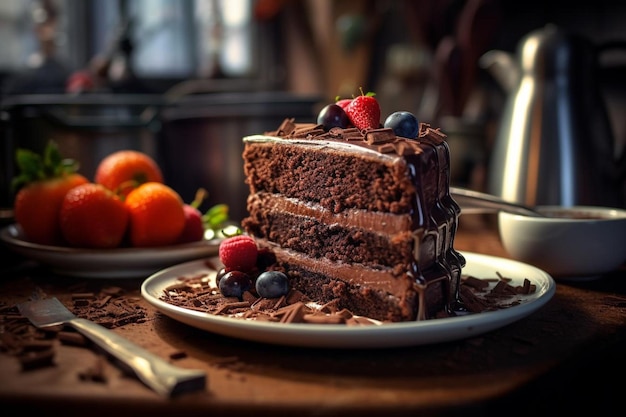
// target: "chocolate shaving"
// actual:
[[180, 354], [132, 318], [225, 308], [36, 360], [474, 282], [36, 345], [349, 134], [378, 136], [104, 301], [291, 314], [503, 287], [429, 134], [312, 134], [72, 338], [386, 148], [94, 373], [323, 319], [286, 127], [113, 291], [352, 134], [88, 296], [408, 147], [330, 307], [280, 303], [246, 296]]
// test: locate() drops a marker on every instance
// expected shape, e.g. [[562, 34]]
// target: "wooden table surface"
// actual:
[[556, 359]]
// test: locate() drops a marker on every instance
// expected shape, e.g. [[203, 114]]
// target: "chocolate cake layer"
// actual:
[[320, 175], [320, 234]]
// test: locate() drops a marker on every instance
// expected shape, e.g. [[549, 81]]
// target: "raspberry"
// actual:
[[238, 253]]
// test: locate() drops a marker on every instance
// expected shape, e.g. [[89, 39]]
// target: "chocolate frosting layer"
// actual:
[[379, 222]]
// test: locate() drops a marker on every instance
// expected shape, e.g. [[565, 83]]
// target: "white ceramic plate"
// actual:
[[375, 336], [107, 263]]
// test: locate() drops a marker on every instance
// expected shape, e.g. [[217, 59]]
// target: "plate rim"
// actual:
[[341, 336], [9, 237], [111, 263]]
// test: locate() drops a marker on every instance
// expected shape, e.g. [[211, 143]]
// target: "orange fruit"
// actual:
[[92, 216], [157, 217], [124, 170]]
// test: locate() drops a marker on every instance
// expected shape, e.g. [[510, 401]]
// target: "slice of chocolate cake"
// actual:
[[361, 217]]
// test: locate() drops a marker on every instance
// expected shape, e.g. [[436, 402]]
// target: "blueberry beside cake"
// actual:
[[358, 216]]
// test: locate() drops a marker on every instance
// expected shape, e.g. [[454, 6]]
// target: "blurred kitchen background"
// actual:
[[184, 80]]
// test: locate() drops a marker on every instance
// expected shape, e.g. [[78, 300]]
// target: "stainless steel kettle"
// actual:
[[555, 144]]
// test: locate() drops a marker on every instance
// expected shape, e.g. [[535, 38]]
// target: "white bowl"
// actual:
[[580, 242]]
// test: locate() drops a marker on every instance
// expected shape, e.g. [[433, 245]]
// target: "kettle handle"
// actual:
[[503, 67]]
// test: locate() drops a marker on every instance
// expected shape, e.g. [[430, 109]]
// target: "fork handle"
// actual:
[[152, 370]]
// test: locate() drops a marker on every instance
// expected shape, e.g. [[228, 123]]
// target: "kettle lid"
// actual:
[[549, 50]]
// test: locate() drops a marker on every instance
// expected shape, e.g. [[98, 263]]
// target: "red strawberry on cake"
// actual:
[[364, 111]]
